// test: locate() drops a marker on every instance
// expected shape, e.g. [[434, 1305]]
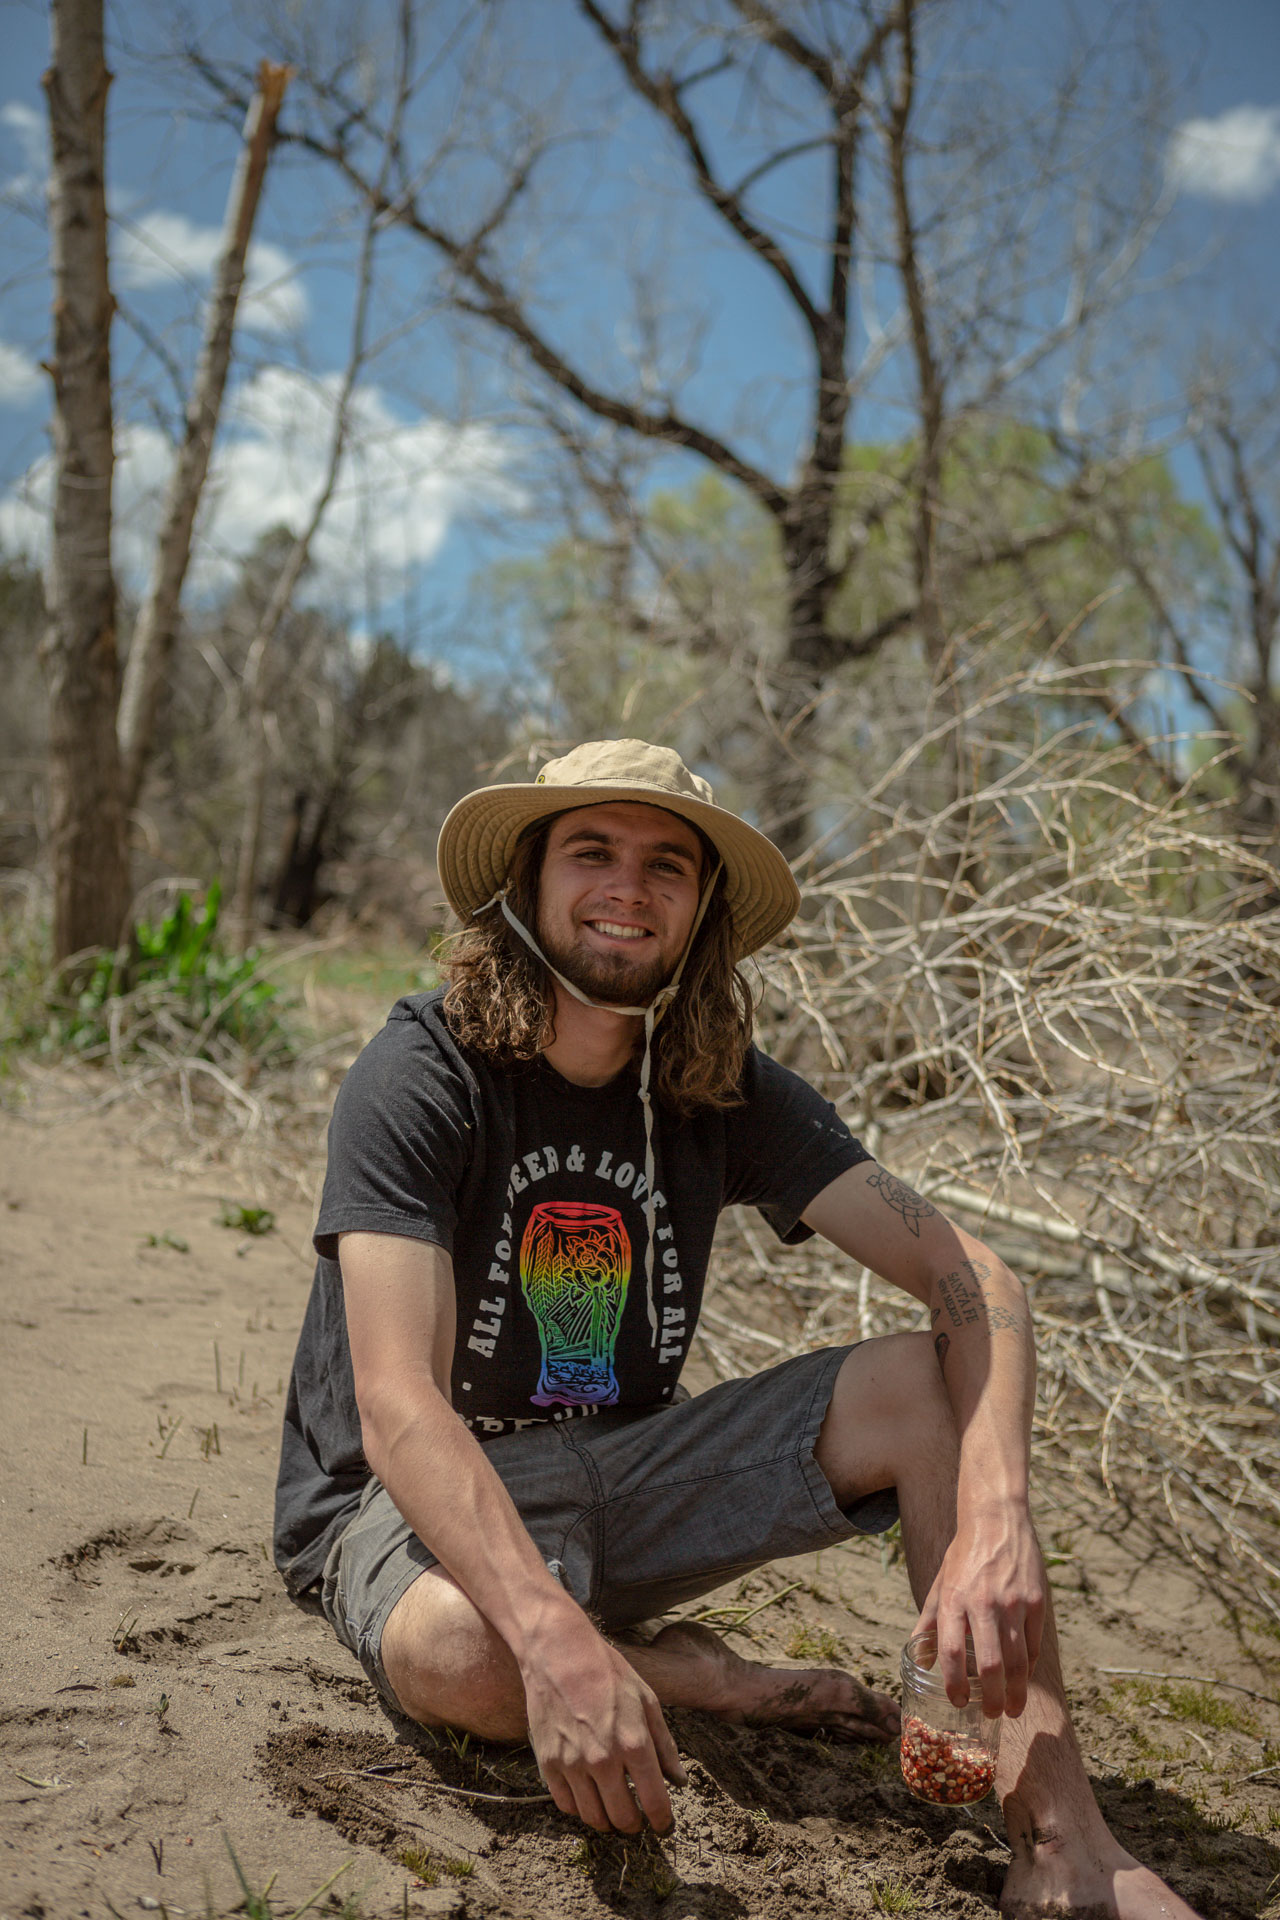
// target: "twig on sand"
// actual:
[[435, 1786], [706, 1617], [1195, 1679]]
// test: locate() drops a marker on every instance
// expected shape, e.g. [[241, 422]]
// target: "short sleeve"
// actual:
[[402, 1137], [785, 1144]]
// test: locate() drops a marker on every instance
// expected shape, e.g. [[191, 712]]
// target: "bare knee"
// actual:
[[889, 1417], [447, 1666]]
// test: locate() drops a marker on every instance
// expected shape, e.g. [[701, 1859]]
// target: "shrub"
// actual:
[[174, 989]]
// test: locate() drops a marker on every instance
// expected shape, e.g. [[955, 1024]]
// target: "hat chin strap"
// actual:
[[651, 1014]]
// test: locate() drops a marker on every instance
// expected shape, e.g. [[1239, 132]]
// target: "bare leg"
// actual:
[[890, 1423], [448, 1667]]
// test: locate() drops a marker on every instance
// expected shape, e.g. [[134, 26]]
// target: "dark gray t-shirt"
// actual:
[[535, 1187]]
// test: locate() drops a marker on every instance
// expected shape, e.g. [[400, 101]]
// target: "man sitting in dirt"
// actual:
[[486, 1456]]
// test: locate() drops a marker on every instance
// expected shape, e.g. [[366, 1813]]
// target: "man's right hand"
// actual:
[[597, 1731]]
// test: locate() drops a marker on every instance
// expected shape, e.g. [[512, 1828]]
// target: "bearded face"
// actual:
[[617, 897]]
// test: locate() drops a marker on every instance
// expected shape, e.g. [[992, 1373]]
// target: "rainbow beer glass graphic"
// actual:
[[575, 1263]]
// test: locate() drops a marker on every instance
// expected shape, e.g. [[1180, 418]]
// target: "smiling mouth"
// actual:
[[615, 931]]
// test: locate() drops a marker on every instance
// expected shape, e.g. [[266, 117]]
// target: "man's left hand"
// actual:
[[992, 1586]]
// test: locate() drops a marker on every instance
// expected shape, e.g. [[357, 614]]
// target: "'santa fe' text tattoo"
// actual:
[[903, 1199], [964, 1298]]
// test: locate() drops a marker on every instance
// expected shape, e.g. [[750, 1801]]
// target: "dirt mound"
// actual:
[[770, 1824]]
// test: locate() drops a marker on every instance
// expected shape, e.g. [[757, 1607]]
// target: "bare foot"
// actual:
[[689, 1665], [1087, 1884]]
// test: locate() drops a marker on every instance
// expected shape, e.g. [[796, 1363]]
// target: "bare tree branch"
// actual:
[[154, 632], [663, 91], [789, 43]]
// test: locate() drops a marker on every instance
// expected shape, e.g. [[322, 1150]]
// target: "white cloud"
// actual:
[[1233, 157], [160, 248], [30, 130], [156, 249], [400, 487], [20, 379]]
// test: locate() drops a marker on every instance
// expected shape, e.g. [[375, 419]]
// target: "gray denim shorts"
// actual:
[[634, 1512]]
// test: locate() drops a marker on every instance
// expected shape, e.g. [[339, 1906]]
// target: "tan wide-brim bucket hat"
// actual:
[[479, 836]]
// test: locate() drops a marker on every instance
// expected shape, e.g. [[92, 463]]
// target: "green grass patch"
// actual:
[[816, 1643], [377, 974], [894, 1896], [1192, 1701], [420, 1864], [1151, 1751], [346, 991]]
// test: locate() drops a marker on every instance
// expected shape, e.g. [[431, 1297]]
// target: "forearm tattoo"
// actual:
[[903, 1199], [961, 1292], [966, 1303]]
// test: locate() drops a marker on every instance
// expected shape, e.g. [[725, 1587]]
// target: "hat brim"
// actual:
[[479, 838]]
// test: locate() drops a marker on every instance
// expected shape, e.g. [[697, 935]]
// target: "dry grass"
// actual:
[[1054, 1007]]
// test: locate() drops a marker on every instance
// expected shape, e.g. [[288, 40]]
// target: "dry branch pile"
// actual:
[[1053, 1004]]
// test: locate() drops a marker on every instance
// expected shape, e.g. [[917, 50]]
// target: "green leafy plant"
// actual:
[[252, 1220], [174, 987]]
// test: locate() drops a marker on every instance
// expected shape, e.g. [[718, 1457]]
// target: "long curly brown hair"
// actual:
[[500, 1001]]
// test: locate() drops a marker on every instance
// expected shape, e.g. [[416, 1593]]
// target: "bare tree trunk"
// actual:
[[86, 812], [931, 401], [153, 635], [255, 681], [930, 394], [794, 740]]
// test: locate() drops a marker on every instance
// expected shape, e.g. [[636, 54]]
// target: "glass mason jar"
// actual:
[[948, 1753]]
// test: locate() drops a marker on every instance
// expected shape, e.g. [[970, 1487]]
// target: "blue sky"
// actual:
[[444, 484]]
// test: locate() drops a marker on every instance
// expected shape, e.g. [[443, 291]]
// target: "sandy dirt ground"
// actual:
[[163, 1704]]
